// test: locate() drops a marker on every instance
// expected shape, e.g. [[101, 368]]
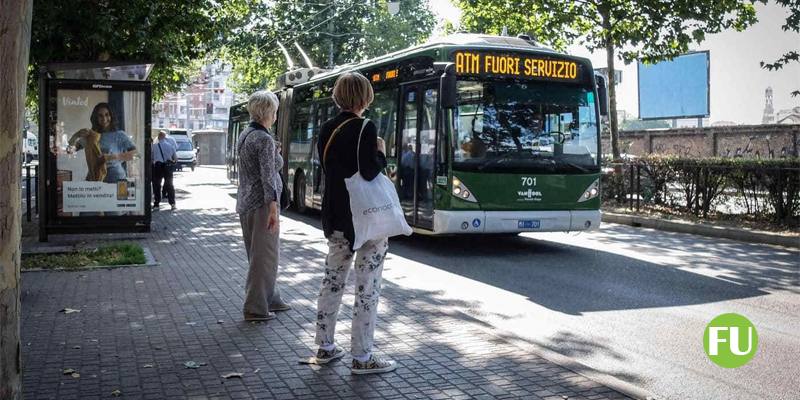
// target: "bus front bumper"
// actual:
[[514, 221]]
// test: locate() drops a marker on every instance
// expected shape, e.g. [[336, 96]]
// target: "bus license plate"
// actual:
[[528, 224]]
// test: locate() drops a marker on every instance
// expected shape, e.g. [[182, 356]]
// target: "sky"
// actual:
[[737, 81]]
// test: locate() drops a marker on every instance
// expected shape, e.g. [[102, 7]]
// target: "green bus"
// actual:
[[484, 134]]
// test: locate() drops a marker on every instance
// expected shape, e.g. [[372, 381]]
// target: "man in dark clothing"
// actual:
[[164, 158]]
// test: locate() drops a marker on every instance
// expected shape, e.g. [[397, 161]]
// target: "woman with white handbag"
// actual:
[[350, 149]]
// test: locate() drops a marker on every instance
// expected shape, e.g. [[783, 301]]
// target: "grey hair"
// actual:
[[262, 104]]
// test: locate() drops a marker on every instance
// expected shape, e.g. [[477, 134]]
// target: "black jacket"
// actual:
[[340, 164]]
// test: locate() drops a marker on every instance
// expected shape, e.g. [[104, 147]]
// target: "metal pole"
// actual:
[[330, 36], [630, 197], [638, 185], [28, 191], [36, 205], [330, 45]]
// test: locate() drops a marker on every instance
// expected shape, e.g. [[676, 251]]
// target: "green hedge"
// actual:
[[768, 188]]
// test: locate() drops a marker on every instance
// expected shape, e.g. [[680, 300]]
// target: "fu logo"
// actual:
[[730, 340]]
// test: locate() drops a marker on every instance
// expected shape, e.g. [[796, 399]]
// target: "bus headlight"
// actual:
[[461, 191], [591, 192]]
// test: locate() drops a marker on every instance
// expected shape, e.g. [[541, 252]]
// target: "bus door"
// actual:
[[317, 179], [416, 156]]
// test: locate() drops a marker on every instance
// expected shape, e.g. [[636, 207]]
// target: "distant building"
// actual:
[[203, 104], [769, 111], [790, 116]]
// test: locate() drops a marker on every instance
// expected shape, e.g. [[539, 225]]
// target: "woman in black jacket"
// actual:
[[338, 146]]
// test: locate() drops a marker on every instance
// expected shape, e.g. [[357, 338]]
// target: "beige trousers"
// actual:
[[262, 248]]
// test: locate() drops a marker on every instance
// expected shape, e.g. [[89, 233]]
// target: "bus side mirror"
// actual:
[[447, 87], [602, 94]]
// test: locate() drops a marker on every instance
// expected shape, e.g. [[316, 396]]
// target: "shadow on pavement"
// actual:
[[757, 265], [564, 278]]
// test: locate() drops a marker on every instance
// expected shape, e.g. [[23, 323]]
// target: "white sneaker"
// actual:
[[375, 365]]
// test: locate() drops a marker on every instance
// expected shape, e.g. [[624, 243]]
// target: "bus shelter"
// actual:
[[94, 148]]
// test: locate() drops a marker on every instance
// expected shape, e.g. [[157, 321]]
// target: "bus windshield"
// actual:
[[544, 126]]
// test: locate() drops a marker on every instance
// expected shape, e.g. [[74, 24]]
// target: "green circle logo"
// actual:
[[730, 340]]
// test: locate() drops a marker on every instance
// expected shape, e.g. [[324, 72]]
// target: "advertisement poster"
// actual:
[[99, 144]]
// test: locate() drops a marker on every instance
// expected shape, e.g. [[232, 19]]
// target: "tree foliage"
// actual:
[[174, 35], [792, 24], [649, 30], [344, 31]]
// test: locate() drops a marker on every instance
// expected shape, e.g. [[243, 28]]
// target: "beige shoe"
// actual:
[[249, 317], [279, 307]]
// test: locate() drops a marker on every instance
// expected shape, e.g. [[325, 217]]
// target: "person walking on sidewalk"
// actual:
[[170, 139], [338, 144], [164, 158], [260, 187]]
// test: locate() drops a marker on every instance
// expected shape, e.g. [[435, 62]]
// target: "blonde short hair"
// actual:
[[261, 105], [352, 91]]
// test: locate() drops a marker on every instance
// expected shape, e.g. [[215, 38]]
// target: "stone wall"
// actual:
[[749, 141]]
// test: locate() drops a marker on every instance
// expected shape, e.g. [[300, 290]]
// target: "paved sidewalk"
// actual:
[[139, 326]]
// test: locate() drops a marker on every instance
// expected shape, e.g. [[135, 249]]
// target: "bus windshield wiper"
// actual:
[[579, 167], [511, 155], [496, 160]]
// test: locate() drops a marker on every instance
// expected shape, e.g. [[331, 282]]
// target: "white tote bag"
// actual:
[[375, 206]]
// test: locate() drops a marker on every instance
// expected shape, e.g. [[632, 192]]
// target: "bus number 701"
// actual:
[[528, 181]]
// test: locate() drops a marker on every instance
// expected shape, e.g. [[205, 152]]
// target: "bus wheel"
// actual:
[[300, 193]]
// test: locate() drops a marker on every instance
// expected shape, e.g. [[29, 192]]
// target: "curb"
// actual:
[[742, 235]]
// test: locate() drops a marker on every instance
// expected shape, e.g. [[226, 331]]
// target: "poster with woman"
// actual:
[[98, 141]]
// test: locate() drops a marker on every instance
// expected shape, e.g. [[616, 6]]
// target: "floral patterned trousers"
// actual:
[[368, 266]]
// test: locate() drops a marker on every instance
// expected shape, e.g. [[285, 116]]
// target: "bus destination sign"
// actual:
[[516, 65]]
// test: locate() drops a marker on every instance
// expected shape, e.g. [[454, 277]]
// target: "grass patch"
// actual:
[[115, 254]]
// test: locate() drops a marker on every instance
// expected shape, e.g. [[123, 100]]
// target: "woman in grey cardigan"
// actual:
[[260, 189]]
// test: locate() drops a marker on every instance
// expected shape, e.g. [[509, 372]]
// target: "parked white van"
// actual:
[[30, 146], [187, 154]]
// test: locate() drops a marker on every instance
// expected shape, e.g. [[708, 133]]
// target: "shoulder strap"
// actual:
[[330, 140], [358, 147], [162, 153]]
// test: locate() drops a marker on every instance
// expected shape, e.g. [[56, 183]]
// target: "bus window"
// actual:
[[383, 113], [302, 126], [543, 124]]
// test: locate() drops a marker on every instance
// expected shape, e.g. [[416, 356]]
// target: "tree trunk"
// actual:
[[15, 36], [612, 89]]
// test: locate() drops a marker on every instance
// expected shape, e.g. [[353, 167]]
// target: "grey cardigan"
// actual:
[[259, 164]]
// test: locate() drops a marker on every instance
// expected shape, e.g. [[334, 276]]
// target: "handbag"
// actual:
[[374, 204], [284, 201]]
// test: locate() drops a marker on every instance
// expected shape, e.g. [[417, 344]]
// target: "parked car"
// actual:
[[187, 155]]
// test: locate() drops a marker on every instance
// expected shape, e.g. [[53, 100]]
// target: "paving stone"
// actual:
[[171, 317]]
